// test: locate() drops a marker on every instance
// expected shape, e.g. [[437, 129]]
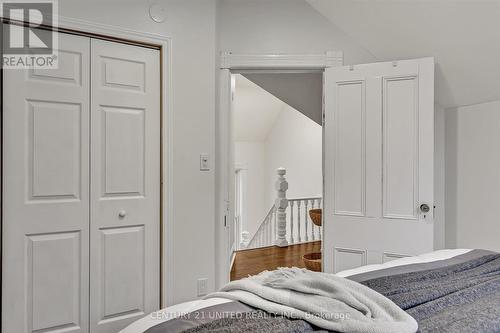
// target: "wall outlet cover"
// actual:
[[202, 287]]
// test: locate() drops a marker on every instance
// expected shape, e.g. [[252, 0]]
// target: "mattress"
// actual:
[[357, 274]]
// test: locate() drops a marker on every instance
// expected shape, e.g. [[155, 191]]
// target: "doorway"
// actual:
[[272, 67], [269, 133]]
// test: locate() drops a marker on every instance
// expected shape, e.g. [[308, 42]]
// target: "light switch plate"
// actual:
[[204, 162]]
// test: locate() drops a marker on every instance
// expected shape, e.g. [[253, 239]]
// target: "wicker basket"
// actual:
[[315, 215], [312, 261]]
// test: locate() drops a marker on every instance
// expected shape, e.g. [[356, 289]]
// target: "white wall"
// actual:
[[473, 176], [254, 111], [295, 143], [282, 26], [439, 178], [191, 24], [252, 157]]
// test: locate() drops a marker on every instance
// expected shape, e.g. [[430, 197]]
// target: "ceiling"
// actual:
[[462, 35], [301, 91]]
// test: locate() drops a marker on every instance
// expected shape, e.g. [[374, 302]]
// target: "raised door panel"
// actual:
[[388, 256], [346, 258], [45, 208], [54, 150], [400, 147], [349, 165], [123, 165], [53, 273], [123, 73], [68, 72], [123, 272], [125, 186]]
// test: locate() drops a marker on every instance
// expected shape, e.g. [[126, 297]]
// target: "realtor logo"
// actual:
[[26, 41]]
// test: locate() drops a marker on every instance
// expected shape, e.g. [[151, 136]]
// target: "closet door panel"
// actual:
[[125, 185], [45, 265]]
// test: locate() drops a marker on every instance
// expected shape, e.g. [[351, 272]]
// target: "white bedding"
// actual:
[[184, 308]]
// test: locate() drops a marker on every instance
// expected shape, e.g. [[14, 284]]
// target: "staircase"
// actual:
[[286, 223]]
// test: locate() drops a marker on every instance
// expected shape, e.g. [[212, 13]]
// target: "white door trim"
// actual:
[[234, 63], [321, 61], [164, 43]]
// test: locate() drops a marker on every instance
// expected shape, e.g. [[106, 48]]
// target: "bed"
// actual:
[[444, 291]]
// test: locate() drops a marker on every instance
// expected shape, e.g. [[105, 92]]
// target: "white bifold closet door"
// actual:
[[45, 235], [81, 186], [125, 187]]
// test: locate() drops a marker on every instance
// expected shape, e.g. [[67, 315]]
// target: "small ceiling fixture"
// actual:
[[158, 13]]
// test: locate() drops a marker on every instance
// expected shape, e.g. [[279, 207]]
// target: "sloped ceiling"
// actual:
[[462, 35], [301, 91]]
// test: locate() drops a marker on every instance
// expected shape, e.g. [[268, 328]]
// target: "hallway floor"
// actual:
[[254, 261]]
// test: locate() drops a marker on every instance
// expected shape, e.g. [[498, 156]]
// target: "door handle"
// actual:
[[424, 208], [122, 213]]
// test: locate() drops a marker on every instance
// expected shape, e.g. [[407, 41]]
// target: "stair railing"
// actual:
[[287, 222], [265, 234]]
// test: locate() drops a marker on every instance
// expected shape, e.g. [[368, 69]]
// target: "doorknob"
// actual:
[[424, 208], [122, 213]]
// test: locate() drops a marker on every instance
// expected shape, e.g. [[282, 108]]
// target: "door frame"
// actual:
[[164, 45], [231, 63]]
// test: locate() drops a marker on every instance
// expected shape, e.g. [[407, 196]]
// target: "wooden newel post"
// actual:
[[281, 204]]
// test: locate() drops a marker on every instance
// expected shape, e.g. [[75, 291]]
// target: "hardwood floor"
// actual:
[[251, 262]]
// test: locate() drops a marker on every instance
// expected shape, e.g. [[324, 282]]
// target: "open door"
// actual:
[[379, 160]]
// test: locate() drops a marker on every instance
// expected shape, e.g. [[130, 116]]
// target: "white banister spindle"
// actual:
[[266, 232], [291, 221], [269, 231], [237, 233], [271, 228], [263, 235], [313, 226], [306, 219], [261, 238], [281, 203], [275, 225], [299, 236], [245, 239]]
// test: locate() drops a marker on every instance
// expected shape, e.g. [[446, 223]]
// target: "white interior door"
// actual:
[[45, 263], [379, 159], [125, 184]]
